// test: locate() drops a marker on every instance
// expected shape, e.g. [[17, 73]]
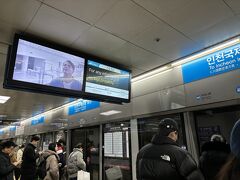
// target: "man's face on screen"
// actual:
[[67, 68]]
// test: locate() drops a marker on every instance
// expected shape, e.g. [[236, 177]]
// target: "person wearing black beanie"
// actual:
[[231, 170], [164, 159]]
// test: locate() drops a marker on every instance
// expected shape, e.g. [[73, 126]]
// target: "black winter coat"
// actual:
[[28, 168], [163, 159], [213, 157], [6, 168]]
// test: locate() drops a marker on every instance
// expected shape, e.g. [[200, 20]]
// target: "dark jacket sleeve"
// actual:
[[5, 170], [30, 154], [189, 170]]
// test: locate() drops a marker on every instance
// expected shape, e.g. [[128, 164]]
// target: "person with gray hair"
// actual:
[[214, 154], [75, 162]]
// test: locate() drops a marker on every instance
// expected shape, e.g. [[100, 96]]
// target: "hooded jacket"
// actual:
[[164, 159], [6, 168], [75, 162], [51, 165]]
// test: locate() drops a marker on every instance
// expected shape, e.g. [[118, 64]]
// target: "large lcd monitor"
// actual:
[[40, 66], [37, 65], [107, 81]]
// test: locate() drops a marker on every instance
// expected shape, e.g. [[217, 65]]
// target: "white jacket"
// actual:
[[20, 154]]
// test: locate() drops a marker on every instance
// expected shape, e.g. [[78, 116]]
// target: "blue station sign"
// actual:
[[83, 105], [213, 64], [13, 128], [37, 121], [1, 132]]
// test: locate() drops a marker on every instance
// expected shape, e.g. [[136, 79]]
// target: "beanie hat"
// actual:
[[167, 126], [235, 139]]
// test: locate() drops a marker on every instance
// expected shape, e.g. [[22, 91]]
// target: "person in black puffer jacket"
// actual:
[[214, 155], [29, 166], [6, 167], [164, 159]]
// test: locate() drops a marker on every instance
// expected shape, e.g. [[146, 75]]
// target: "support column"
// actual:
[[100, 153], [134, 146], [191, 135]]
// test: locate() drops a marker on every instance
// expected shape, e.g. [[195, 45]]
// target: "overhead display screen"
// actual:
[[37, 65], [107, 80], [46, 66]]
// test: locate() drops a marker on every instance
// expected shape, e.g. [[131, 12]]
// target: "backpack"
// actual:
[[41, 169]]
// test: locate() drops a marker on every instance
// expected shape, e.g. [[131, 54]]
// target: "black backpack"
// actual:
[[41, 170]]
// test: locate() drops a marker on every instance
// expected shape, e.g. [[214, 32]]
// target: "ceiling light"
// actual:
[[206, 52], [3, 99], [111, 112]]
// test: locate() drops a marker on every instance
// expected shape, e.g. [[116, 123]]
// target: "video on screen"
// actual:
[[106, 80], [46, 66]]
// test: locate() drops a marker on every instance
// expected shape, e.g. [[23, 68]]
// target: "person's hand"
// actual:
[[17, 163]]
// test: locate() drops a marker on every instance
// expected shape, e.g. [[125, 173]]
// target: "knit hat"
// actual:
[[167, 126], [235, 139]]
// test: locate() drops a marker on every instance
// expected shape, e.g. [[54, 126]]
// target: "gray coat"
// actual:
[[75, 163]]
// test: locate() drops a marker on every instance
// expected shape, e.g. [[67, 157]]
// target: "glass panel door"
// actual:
[[89, 137], [117, 160], [148, 127]]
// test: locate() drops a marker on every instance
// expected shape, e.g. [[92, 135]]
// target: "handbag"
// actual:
[[83, 175]]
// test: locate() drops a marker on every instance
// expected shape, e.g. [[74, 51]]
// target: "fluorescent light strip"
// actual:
[[4, 99], [209, 51], [109, 113]]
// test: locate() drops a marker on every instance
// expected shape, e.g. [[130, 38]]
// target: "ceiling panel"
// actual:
[[219, 32], [126, 19], [98, 42], [7, 32], [197, 15], [86, 10], [3, 49], [234, 4], [18, 13], [131, 55], [56, 26], [162, 8], [171, 45], [136, 71]]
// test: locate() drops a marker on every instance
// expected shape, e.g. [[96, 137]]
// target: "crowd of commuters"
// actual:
[[164, 159], [161, 159]]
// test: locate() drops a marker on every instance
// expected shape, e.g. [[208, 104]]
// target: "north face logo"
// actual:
[[166, 157]]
